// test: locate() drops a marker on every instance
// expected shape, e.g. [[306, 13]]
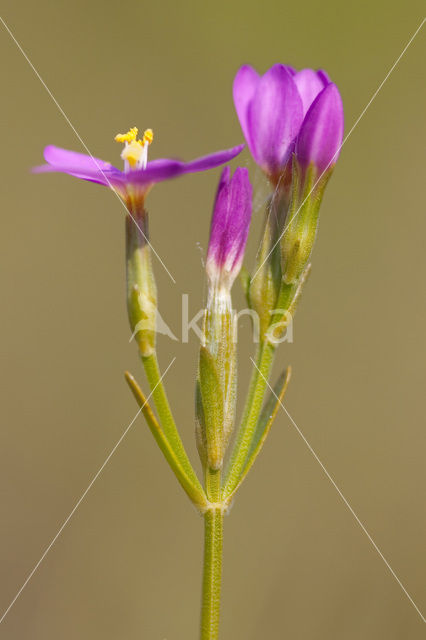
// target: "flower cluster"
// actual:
[[293, 125], [285, 112]]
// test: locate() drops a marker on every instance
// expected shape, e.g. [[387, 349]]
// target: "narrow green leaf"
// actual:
[[264, 424], [196, 494]]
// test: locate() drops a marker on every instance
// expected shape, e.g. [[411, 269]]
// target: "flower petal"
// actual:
[[243, 90], [240, 207], [321, 134], [76, 164], [274, 118], [324, 76], [165, 169], [229, 227], [309, 84], [98, 177], [63, 157]]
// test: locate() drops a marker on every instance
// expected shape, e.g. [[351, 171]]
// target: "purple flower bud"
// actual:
[[229, 227], [276, 109], [321, 134]]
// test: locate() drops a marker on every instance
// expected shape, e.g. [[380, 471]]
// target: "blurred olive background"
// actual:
[[128, 563]]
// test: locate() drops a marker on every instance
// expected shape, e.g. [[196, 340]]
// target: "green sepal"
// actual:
[[266, 281], [264, 424], [302, 220], [195, 493], [286, 307], [212, 405], [245, 277], [200, 426]]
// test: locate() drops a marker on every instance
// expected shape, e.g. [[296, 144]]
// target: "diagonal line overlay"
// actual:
[[345, 139], [83, 144], [342, 496], [80, 500]]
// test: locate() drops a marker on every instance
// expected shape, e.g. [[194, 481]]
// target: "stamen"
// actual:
[[135, 152], [130, 136], [148, 136], [132, 153]]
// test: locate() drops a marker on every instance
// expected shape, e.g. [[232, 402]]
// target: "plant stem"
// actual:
[[212, 570], [165, 415]]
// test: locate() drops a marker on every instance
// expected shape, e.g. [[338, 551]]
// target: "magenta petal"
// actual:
[[235, 239], [98, 177], [165, 169], [309, 84], [323, 75], [95, 170], [243, 90], [275, 115], [76, 164], [62, 157], [321, 134], [212, 160], [292, 71]]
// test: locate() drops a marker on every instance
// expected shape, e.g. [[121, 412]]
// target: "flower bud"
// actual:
[[316, 152], [216, 384], [229, 229]]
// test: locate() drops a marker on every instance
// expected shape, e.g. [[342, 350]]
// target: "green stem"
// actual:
[[251, 414], [165, 415], [212, 570]]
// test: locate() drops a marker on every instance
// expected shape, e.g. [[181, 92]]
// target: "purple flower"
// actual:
[[229, 227], [275, 108], [139, 175]]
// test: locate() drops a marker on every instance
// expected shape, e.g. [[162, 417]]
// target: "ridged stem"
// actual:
[[212, 569]]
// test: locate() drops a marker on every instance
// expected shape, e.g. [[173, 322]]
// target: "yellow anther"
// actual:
[[128, 137], [148, 136]]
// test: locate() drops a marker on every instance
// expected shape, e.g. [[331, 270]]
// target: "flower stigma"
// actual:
[[135, 152]]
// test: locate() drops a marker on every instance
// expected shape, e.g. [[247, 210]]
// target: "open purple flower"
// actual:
[[229, 228], [139, 175], [274, 109]]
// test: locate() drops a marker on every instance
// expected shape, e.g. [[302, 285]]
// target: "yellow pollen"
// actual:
[[130, 136], [148, 136]]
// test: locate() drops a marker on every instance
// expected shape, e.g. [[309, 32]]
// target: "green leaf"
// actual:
[[264, 423], [196, 494]]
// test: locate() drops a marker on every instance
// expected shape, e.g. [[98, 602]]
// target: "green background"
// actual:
[[128, 563]]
